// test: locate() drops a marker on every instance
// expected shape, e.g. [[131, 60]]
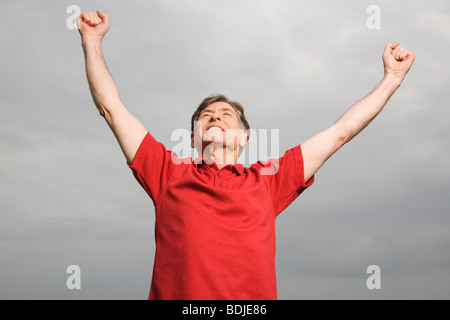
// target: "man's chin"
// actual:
[[213, 137], [216, 143]]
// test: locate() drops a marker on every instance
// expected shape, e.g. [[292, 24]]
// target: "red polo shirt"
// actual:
[[215, 229]]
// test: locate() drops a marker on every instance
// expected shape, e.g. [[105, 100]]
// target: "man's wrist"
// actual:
[[91, 42], [392, 79]]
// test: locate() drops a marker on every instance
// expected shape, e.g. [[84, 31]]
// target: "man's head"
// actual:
[[220, 121]]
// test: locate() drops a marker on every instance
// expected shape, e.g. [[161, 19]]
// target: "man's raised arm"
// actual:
[[316, 150], [127, 129]]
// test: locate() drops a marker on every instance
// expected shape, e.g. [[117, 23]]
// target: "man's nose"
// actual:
[[215, 116]]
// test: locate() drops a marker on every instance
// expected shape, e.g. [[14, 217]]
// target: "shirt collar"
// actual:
[[202, 162]]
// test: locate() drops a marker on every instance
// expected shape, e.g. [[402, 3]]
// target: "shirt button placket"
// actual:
[[219, 183]]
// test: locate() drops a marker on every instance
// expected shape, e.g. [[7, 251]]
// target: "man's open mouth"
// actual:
[[215, 126]]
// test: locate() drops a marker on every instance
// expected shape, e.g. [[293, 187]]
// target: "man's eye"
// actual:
[[227, 114]]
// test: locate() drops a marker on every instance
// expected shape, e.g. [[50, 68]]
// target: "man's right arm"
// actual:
[[128, 130]]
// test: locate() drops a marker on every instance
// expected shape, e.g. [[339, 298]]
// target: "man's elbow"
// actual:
[[343, 134], [107, 108], [101, 110], [105, 113]]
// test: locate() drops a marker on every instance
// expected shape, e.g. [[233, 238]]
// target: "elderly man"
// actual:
[[215, 219]]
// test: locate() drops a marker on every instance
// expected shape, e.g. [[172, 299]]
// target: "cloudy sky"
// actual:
[[68, 198]]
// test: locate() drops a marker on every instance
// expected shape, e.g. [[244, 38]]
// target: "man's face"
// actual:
[[218, 124]]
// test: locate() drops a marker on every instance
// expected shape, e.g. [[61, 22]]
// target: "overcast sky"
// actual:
[[68, 198]]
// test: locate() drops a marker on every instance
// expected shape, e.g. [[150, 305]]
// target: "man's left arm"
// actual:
[[316, 150]]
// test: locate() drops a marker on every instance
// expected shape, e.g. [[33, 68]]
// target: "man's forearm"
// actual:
[[365, 110], [101, 83]]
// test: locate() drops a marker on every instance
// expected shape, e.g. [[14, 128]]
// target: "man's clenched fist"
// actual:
[[93, 25], [397, 60]]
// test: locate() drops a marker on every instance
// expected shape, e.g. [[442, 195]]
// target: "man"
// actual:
[[215, 219]]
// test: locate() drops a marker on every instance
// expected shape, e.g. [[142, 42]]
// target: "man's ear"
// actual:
[[192, 141], [243, 138]]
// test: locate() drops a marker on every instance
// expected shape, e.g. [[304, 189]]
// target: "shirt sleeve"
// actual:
[[152, 166], [286, 178]]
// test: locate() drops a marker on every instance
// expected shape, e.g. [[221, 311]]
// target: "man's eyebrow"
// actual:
[[221, 109]]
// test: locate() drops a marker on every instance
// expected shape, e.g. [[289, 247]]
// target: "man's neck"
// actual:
[[221, 156]]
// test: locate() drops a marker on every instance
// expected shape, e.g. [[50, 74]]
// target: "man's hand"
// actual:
[[397, 60], [93, 25]]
